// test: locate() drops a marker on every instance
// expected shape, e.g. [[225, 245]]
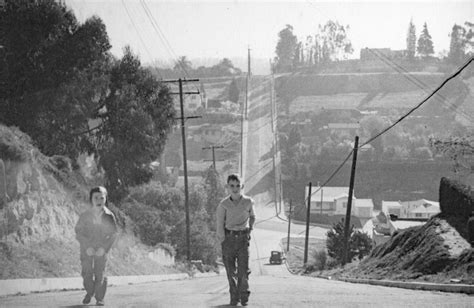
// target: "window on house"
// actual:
[[344, 204], [418, 215]]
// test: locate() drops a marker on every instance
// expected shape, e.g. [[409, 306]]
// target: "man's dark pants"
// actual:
[[235, 249], [93, 268]]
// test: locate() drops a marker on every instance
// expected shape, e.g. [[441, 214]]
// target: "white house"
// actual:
[[364, 208], [392, 207], [328, 200], [333, 201], [421, 208], [191, 102]]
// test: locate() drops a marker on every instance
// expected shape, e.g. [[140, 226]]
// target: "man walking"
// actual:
[[235, 217]]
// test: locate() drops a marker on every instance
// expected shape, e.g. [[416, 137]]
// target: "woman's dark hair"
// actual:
[[98, 189]]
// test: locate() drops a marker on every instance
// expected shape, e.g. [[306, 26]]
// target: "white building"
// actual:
[[333, 201], [392, 207], [421, 208]]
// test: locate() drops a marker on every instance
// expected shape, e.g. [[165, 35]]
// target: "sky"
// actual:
[[160, 31]]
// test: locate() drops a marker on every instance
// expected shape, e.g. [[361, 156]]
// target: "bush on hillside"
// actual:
[[159, 217], [320, 259], [359, 243]]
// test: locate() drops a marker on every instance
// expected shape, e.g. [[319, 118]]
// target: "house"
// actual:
[[210, 133], [191, 102], [333, 201], [421, 208], [381, 228], [328, 200], [392, 208], [363, 208]]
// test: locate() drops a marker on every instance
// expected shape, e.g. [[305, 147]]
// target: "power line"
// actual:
[[162, 37], [139, 35], [420, 104], [419, 83]]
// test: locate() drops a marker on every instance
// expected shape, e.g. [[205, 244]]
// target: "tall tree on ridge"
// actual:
[[285, 49], [411, 41], [425, 44]]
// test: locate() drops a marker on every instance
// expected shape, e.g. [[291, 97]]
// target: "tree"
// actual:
[[411, 41], [294, 137], [462, 43], [234, 91], [285, 49], [215, 191], [138, 115], [359, 243], [296, 59], [182, 65], [332, 43], [225, 68], [57, 70], [425, 44]]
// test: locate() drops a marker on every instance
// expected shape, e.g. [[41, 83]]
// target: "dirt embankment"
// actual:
[[435, 252], [438, 251], [40, 201]]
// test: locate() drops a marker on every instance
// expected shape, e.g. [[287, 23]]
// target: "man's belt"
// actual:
[[236, 232]]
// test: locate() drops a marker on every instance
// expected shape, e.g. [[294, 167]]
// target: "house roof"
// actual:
[[329, 193], [433, 209], [364, 203], [420, 202]]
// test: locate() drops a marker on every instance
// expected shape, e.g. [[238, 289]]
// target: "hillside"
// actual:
[[41, 198]]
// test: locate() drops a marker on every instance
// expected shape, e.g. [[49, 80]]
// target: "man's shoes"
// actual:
[[244, 302], [100, 303], [234, 302], [87, 299]]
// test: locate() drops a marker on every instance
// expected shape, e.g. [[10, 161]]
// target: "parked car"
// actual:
[[275, 257]]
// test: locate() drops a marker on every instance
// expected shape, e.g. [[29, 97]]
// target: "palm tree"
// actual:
[[183, 64]]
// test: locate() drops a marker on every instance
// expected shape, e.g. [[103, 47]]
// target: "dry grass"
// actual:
[[295, 256]]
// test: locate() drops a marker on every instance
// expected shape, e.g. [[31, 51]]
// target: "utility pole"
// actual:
[[321, 200], [306, 242], [185, 165], [289, 224], [213, 147], [249, 74], [349, 202]]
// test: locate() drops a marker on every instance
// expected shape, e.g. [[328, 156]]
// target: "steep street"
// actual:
[[271, 285]]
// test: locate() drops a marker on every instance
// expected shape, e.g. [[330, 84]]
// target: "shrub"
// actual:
[[320, 259], [359, 243], [63, 163]]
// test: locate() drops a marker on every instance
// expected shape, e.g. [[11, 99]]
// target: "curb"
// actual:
[[454, 288], [25, 286]]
